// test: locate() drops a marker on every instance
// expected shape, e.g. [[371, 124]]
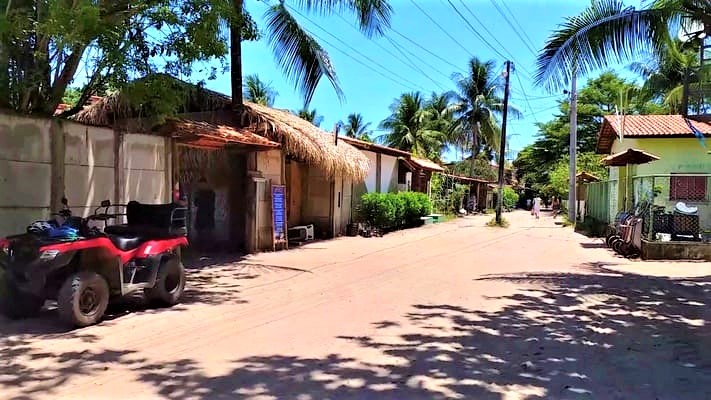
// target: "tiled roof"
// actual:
[[206, 134], [649, 126]]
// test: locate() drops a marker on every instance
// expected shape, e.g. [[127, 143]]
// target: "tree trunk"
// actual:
[[236, 58], [475, 148]]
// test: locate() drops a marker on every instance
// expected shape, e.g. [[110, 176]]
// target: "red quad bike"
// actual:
[[83, 273]]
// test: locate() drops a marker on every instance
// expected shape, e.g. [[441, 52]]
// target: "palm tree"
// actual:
[[409, 127], [607, 31], [299, 55], [309, 115], [258, 91], [356, 127], [478, 102]]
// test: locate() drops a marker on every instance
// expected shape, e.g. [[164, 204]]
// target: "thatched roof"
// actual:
[[305, 141], [298, 137]]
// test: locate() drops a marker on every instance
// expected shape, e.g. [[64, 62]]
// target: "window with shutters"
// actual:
[[688, 188]]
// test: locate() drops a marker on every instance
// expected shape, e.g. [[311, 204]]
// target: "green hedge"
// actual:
[[394, 210]]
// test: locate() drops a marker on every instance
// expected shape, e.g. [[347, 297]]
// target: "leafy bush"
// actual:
[[510, 198], [394, 210]]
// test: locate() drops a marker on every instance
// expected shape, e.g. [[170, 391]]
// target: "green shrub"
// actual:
[[394, 210], [510, 198]]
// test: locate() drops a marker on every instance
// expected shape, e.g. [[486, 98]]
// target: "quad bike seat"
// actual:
[[126, 242], [151, 221]]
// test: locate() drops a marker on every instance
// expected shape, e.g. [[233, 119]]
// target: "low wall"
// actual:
[[676, 251]]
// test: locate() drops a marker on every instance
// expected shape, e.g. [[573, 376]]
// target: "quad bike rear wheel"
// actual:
[[83, 298], [610, 238], [617, 244], [170, 283], [16, 304]]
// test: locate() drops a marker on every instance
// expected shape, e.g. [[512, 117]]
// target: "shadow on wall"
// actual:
[[599, 334]]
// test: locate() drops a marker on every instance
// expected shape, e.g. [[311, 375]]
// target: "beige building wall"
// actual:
[[270, 166]]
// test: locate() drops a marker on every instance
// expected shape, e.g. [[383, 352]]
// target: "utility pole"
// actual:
[[572, 190], [502, 151]]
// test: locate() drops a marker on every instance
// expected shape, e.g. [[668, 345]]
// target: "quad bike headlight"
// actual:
[[48, 255]]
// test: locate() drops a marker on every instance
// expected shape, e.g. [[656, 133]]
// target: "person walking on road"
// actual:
[[536, 210]]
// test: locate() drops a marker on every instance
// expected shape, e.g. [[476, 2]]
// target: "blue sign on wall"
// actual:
[[279, 212]]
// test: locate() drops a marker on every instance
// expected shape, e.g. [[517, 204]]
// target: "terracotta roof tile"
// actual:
[[649, 126], [209, 134]]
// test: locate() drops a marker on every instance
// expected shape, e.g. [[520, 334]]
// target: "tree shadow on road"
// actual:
[[597, 334]]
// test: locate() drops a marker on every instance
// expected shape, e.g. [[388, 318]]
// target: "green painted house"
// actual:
[[682, 174]]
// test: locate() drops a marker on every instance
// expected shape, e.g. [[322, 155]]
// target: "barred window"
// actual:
[[688, 188]]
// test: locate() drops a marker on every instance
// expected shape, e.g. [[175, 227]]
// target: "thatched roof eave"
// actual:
[[303, 140]]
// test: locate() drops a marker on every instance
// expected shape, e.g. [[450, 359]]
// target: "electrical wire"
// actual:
[[528, 38], [398, 76], [407, 61], [441, 28], [473, 30], [444, 60], [518, 78], [513, 27]]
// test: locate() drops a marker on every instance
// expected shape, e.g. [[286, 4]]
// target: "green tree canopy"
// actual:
[[43, 44]]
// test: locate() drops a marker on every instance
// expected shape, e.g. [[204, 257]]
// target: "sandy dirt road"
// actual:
[[453, 310]]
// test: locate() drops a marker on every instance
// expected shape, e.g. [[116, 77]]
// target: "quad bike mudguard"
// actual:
[[28, 261]]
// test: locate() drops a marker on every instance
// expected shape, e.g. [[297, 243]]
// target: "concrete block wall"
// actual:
[[146, 172], [25, 172], [88, 167], [43, 159]]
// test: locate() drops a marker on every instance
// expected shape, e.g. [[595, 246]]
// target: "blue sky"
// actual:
[[370, 93]]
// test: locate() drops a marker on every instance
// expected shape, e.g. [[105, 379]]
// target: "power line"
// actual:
[[512, 27], [503, 3], [407, 62], [444, 60], [472, 29], [518, 78], [415, 65], [441, 28], [354, 49]]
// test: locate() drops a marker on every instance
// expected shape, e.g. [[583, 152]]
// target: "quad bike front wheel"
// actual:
[[16, 304], [170, 283], [83, 298]]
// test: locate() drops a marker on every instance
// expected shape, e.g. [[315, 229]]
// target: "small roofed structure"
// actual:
[[586, 177], [629, 157]]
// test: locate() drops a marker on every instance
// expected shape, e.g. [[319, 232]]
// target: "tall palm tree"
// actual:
[[310, 115], [609, 32], [258, 91], [295, 49], [409, 127], [478, 101], [356, 127]]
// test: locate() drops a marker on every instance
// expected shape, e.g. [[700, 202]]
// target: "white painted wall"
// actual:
[[388, 174], [371, 179]]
